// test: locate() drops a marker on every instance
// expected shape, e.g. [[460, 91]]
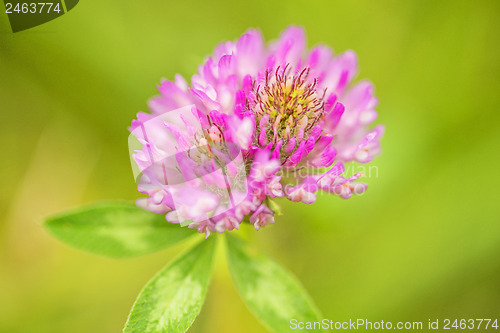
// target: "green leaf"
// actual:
[[171, 301], [115, 229], [271, 292]]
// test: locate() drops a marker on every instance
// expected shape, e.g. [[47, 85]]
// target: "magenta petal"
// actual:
[[218, 118], [172, 98], [323, 142], [342, 81], [373, 135], [291, 45], [249, 51], [342, 68], [276, 153], [206, 101], [315, 132], [141, 119], [303, 192], [208, 71], [270, 62], [319, 58], [250, 43], [310, 184], [240, 98], [181, 139], [360, 97], [289, 146], [247, 83], [330, 103], [325, 159], [225, 66], [336, 170], [296, 157], [333, 118], [309, 145]]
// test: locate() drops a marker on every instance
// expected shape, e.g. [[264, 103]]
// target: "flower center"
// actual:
[[286, 105]]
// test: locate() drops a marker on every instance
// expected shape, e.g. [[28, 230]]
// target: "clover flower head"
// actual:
[[257, 122]]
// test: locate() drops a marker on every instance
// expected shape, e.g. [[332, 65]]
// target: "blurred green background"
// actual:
[[422, 243]]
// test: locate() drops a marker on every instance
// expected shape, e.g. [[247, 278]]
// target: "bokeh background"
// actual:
[[422, 243]]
